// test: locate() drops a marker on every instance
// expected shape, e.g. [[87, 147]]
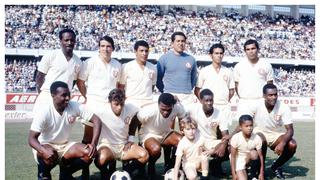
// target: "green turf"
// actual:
[[19, 163]]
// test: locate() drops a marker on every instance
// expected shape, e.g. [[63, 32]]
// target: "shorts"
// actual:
[[211, 144], [186, 99], [159, 137], [117, 149], [60, 148], [244, 105], [271, 136], [241, 162], [139, 103]]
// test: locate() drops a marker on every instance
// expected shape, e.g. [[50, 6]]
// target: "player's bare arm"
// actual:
[[197, 92], [236, 88], [220, 149], [96, 134], [231, 93], [261, 175], [40, 80], [233, 163], [82, 87]]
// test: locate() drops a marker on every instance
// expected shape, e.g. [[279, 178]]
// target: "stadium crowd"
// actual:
[[36, 26], [19, 77]]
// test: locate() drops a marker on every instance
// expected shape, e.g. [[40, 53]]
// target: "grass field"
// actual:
[[19, 163]]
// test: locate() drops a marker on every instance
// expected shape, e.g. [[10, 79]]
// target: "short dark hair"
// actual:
[[55, 85], [250, 41], [140, 43], [67, 31], [167, 99], [214, 46], [205, 92], [244, 118], [268, 86], [178, 33], [117, 95], [107, 38]]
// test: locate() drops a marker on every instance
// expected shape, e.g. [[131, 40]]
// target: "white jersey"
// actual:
[[273, 121], [115, 129], [138, 82], [101, 78], [153, 122], [208, 125], [55, 128], [218, 82], [190, 150], [243, 146], [252, 77], [57, 68]]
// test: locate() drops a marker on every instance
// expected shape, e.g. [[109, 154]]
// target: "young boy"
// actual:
[[191, 151], [246, 151]]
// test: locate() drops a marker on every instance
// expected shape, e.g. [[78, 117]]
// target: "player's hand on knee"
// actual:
[[90, 150], [128, 146], [50, 156]]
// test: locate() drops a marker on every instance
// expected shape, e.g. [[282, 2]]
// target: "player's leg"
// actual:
[[288, 152], [204, 167], [87, 137], [170, 144], [138, 156], [254, 163], [242, 175], [154, 149], [105, 157], [190, 171], [264, 144], [45, 166], [216, 162], [75, 158]]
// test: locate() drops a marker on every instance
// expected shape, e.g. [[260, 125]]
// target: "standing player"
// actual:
[[177, 71], [157, 132], [59, 65], [116, 138], [138, 77], [211, 121], [270, 116], [102, 74], [251, 75], [50, 130], [246, 151], [217, 78], [191, 151]]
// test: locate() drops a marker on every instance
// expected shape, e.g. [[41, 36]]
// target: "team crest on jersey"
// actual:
[[72, 119], [225, 77], [261, 71], [213, 124], [127, 120], [188, 65], [151, 75], [277, 118], [115, 73]]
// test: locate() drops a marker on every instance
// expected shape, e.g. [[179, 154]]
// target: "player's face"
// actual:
[[217, 55], [142, 54], [67, 42], [165, 110], [179, 44], [207, 103], [189, 132], [62, 97], [271, 96], [105, 49], [252, 52], [247, 128], [117, 107]]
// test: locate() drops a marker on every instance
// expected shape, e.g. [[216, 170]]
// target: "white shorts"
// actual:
[[60, 148], [241, 163], [211, 144], [244, 105], [271, 136], [186, 99], [159, 137], [139, 103], [117, 149]]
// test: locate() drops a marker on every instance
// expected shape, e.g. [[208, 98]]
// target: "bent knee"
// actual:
[[144, 156], [292, 145]]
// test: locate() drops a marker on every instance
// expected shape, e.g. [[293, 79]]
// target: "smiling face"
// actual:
[[68, 42], [105, 48], [61, 97], [271, 97]]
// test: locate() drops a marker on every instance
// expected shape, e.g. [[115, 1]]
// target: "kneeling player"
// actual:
[[50, 130], [115, 141], [191, 151], [246, 151], [156, 131]]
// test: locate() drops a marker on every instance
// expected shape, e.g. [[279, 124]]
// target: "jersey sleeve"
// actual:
[[231, 83], [154, 78], [39, 121], [200, 80], [45, 63], [181, 111], [145, 114], [194, 74], [84, 70], [258, 142], [270, 73], [236, 73], [123, 77], [223, 122], [160, 73], [180, 147], [83, 111], [233, 141], [286, 116]]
